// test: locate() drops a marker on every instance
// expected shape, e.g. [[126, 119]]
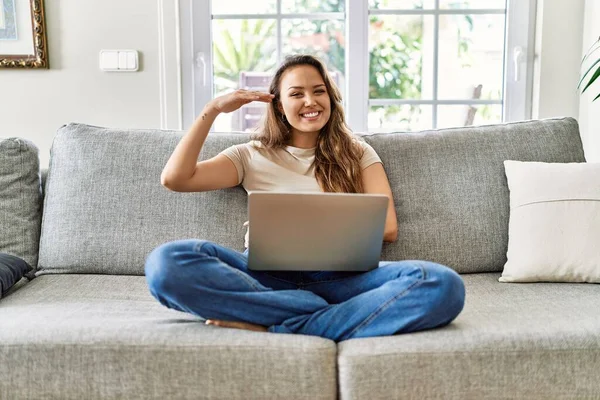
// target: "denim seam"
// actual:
[[238, 272], [387, 304]]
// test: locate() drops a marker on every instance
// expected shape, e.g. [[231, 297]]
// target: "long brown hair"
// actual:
[[338, 153]]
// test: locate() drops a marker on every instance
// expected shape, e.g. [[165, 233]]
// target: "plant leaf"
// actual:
[[220, 58], [231, 50], [243, 49], [594, 77], [591, 50], [587, 72], [596, 98]]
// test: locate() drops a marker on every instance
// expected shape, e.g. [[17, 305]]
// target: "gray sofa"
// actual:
[[87, 327]]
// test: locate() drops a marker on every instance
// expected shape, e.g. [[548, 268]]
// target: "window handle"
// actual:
[[517, 54], [201, 63]]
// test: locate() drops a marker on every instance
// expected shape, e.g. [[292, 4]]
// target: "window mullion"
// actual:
[[357, 65], [518, 59], [202, 65], [279, 38], [436, 64]]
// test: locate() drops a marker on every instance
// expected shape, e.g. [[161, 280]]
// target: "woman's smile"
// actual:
[[311, 116]]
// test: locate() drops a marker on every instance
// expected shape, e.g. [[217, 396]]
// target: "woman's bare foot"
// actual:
[[237, 325]]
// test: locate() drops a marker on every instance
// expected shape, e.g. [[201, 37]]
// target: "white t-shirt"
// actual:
[[287, 169]]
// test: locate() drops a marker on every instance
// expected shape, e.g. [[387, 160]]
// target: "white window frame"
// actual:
[[196, 58]]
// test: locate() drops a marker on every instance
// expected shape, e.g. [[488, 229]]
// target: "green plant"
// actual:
[[395, 69], [594, 62], [242, 49]]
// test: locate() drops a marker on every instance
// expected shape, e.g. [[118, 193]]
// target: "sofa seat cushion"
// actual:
[[101, 336], [512, 341]]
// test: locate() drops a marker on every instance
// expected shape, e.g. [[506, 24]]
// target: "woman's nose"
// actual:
[[310, 100]]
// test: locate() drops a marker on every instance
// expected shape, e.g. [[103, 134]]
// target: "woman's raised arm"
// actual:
[[183, 173]]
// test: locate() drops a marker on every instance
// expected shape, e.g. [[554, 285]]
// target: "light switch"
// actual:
[[109, 60], [132, 61], [119, 60], [122, 60]]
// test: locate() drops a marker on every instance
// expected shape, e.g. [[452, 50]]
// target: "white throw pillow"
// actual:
[[554, 226]]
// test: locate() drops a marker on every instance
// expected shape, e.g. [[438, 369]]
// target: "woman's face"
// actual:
[[304, 99]]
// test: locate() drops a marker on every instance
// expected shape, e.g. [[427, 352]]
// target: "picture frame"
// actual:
[[23, 42]]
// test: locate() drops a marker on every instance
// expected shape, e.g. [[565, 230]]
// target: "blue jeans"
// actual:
[[213, 282]]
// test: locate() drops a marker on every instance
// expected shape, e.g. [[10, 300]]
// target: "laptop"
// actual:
[[314, 231]]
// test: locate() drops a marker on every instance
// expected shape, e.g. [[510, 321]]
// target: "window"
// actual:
[[401, 65]]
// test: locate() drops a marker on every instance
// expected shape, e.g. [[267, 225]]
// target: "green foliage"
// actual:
[[489, 111], [396, 63], [594, 58], [242, 50], [395, 67]]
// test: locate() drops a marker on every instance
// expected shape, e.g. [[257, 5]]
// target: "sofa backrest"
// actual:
[[451, 193], [20, 199], [105, 208]]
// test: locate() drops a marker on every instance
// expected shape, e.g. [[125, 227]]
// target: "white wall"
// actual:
[[34, 103], [557, 58], [564, 31], [589, 113]]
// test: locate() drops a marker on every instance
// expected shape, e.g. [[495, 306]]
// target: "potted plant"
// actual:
[[594, 56]]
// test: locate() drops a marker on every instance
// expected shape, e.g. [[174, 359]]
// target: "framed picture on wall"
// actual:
[[23, 34]]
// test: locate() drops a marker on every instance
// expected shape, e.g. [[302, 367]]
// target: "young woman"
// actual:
[[303, 145]]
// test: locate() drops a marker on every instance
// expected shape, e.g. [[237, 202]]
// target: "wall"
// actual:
[[589, 113], [557, 58], [35, 103]]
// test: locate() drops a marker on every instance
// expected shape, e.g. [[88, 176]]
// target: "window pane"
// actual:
[[401, 4], [401, 57], [321, 38], [400, 118], [244, 56], [471, 57], [307, 6], [476, 4], [243, 6], [466, 115]]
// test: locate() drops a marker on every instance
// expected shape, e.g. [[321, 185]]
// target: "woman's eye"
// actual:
[[319, 91], [295, 94]]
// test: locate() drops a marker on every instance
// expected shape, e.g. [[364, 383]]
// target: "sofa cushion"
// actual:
[[105, 209], [511, 341], [450, 189], [554, 226], [20, 199], [105, 337], [12, 269]]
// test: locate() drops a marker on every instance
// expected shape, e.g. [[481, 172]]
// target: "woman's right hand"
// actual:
[[232, 101]]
